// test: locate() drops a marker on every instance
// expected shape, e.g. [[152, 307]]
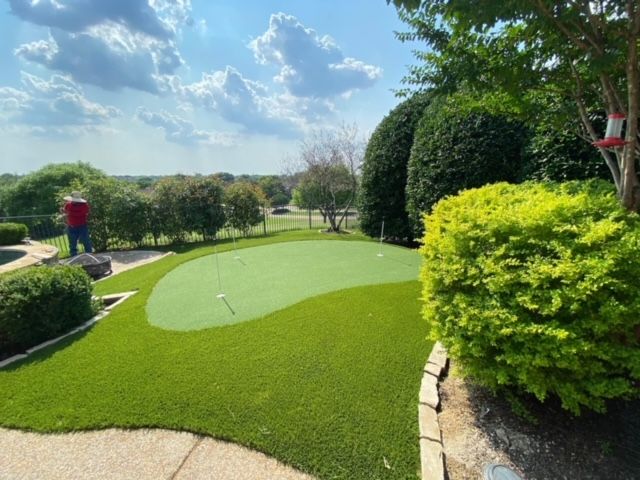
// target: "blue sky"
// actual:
[[158, 87]]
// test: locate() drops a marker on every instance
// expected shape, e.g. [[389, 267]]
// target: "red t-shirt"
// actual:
[[77, 213]]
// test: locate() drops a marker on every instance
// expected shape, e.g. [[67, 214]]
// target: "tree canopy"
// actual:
[[330, 161], [524, 50], [36, 193], [454, 150], [384, 171]]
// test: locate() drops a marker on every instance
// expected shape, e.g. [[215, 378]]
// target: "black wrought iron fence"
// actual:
[[50, 229]]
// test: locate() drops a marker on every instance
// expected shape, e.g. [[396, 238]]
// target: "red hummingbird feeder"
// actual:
[[613, 136]]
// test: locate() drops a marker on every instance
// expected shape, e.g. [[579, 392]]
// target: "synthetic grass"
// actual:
[[328, 385], [261, 280]]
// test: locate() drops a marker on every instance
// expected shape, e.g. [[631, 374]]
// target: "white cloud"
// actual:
[[111, 44], [241, 101], [178, 130], [108, 56], [311, 65], [79, 15], [55, 107]]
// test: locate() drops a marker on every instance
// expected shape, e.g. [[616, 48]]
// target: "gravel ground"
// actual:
[[478, 428]]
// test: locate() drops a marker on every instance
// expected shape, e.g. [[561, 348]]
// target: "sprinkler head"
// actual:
[[220, 295], [494, 471]]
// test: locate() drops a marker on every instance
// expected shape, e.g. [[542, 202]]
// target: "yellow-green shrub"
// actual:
[[535, 286]]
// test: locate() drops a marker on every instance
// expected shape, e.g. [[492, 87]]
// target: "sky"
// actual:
[[157, 87]]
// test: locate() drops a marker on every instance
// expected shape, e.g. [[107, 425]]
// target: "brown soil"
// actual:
[[478, 428]]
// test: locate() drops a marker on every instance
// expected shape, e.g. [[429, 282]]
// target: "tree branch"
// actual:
[[613, 165]]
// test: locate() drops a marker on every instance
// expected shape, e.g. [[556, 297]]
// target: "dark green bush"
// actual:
[[36, 193], [37, 304], [384, 172], [12, 233], [533, 287], [242, 201], [455, 150], [558, 154], [183, 205]]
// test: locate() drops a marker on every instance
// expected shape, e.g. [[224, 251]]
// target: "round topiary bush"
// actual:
[[12, 233], [534, 287], [454, 150], [384, 171], [38, 304]]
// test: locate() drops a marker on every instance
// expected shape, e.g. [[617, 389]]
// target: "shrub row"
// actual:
[[429, 147], [38, 304], [176, 208], [532, 287], [12, 233]]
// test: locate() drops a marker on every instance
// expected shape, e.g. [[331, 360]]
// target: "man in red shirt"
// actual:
[[77, 210]]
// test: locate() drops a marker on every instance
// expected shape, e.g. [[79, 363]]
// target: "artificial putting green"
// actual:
[[328, 385], [260, 280]]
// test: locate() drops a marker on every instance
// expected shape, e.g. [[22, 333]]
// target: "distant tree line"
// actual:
[[36, 193]]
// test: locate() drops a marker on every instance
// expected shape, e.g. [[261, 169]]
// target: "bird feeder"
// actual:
[[613, 136]]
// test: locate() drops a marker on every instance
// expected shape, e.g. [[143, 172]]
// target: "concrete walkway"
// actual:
[[125, 454]]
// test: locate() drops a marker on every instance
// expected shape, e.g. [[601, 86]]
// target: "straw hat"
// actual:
[[75, 197]]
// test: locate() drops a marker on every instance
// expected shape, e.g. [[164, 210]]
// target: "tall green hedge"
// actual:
[[41, 303], [558, 154], [384, 172], [454, 150], [534, 287]]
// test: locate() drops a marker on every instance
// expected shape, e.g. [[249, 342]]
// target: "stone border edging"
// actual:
[[431, 453], [99, 316]]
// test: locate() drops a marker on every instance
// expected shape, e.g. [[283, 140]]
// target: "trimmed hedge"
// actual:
[[384, 171], [37, 304], [12, 233], [559, 155], [534, 287], [455, 150]]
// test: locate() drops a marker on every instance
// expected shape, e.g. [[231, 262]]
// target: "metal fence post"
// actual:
[[264, 219], [309, 210]]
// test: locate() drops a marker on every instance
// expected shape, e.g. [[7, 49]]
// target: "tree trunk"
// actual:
[[630, 195]]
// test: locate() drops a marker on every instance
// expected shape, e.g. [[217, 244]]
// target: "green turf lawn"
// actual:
[[260, 280], [329, 385]]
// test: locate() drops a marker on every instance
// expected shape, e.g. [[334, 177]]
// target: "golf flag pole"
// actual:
[[380, 254], [235, 252], [215, 249]]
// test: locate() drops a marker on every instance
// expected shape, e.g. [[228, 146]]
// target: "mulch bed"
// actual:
[[478, 428]]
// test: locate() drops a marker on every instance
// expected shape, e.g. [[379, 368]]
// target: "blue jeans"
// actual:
[[79, 233]]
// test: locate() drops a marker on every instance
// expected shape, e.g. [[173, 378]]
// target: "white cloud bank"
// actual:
[[55, 107], [311, 65], [178, 130], [112, 44]]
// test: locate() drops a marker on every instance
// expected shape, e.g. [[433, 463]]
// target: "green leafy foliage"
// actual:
[[274, 189], [37, 192], [243, 201], [168, 208], [12, 233], [129, 214], [527, 52], [531, 287], [454, 150], [384, 172], [558, 154], [41, 303], [100, 193], [186, 204], [202, 205]]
